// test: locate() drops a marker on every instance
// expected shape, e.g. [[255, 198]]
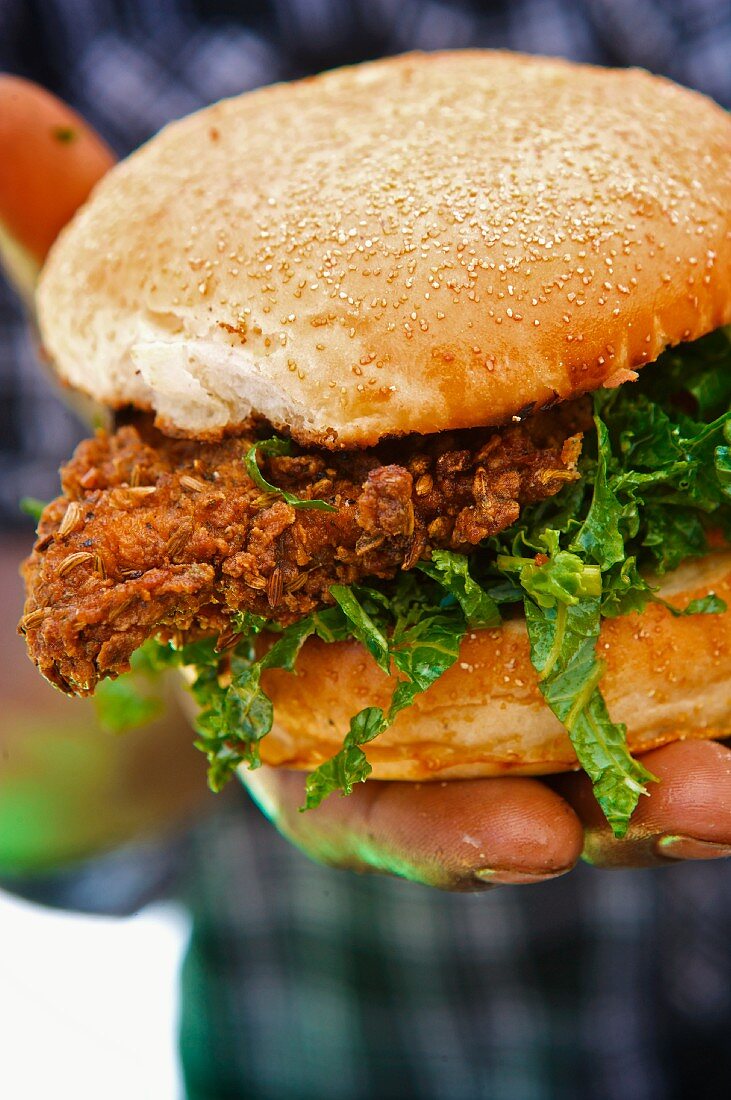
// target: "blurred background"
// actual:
[[88, 1003]]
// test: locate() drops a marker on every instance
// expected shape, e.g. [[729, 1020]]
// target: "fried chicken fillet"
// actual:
[[161, 536]]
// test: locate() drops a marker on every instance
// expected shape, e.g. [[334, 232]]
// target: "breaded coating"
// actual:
[[155, 536]]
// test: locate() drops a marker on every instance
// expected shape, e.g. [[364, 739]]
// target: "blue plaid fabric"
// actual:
[[302, 982]]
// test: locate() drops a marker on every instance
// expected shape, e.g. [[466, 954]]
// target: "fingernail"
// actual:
[[687, 847], [500, 877]]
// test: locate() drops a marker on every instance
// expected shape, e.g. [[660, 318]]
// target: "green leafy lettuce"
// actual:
[[562, 600], [132, 700], [277, 446], [414, 631], [655, 479], [31, 506]]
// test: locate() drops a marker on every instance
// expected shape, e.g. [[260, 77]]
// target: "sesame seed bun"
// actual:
[[486, 715], [413, 245]]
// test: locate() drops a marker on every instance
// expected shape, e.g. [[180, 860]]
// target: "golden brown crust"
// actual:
[[154, 534], [417, 244], [667, 678]]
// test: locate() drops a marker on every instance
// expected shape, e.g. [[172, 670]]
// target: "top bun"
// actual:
[[418, 244]]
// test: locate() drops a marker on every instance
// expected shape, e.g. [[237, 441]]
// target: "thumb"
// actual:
[[464, 835], [687, 814]]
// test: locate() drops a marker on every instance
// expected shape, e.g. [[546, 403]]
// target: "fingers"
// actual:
[[49, 161], [461, 835], [686, 816]]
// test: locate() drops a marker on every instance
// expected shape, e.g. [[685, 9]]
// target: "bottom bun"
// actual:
[[666, 678]]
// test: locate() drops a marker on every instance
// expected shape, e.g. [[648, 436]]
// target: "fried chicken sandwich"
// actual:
[[419, 461]]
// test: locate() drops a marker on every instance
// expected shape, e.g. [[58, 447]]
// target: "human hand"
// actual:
[[467, 834], [71, 788], [472, 834]]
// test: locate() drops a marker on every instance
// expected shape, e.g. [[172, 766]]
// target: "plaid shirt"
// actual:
[[302, 982], [305, 983]]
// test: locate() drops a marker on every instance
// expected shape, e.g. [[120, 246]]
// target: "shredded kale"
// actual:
[[248, 624], [131, 700], [277, 446], [362, 625], [32, 507], [562, 600], [452, 573], [423, 643], [655, 481]]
